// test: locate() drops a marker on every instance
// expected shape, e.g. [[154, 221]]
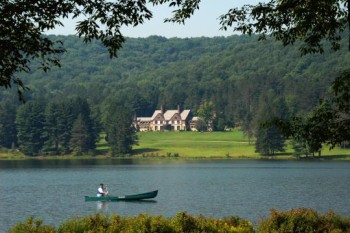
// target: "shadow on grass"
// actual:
[[324, 157], [144, 151], [334, 157], [102, 151]]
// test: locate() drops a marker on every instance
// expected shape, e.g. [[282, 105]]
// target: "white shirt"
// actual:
[[99, 192]]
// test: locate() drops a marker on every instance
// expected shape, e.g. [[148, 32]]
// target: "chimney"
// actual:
[[162, 108], [178, 109]]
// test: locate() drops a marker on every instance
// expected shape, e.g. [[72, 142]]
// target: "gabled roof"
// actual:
[[185, 113], [169, 114], [143, 118], [156, 112]]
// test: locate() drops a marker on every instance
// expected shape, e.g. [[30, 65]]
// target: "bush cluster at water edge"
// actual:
[[182, 222], [304, 220], [299, 220]]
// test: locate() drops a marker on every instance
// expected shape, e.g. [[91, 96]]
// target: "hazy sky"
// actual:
[[204, 22]]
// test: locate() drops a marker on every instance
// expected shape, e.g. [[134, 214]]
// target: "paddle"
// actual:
[[106, 191]]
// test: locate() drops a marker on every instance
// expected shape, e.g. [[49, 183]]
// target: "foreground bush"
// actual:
[[182, 222], [33, 226], [304, 220], [293, 221]]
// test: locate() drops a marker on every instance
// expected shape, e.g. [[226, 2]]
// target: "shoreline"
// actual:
[[343, 157]]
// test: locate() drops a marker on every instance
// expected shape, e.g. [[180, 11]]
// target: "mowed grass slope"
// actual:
[[195, 144], [211, 145]]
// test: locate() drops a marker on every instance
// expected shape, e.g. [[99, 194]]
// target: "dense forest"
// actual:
[[246, 80]]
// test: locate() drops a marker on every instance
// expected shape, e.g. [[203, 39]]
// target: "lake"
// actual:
[[54, 190]]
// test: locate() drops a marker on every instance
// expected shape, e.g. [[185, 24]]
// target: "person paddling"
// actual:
[[101, 191]]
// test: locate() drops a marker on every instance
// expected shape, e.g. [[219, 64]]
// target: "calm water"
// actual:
[[54, 190]]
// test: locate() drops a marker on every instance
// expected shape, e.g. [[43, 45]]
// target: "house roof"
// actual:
[[143, 118], [169, 114], [185, 113], [195, 118], [156, 112]]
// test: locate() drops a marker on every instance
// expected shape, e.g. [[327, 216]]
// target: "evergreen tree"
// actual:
[[64, 125], [268, 137], [81, 106], [300, 147], [51, 130], [57, 128], [30, 123], [8, 131], [80, 138], [120, 132], [269, 141]]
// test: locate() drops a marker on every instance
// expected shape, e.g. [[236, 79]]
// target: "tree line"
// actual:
[[63, 127]]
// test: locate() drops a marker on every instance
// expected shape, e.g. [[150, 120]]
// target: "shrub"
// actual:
[[32, 225], [183, 222], [142, 223], [298, 220], [304, 220], [93, 223]]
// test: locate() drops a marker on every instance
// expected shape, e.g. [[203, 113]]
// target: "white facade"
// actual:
[[161, 120]]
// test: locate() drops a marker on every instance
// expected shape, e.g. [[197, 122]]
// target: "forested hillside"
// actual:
[[246, 80], [229, 71]]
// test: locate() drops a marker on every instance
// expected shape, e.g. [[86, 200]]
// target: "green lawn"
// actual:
[[10, 154], [194, 144], [209, 145]]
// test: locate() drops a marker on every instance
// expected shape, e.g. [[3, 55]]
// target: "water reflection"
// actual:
[[102, 206], [59, 163]]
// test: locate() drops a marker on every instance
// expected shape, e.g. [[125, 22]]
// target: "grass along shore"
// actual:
[[231, 144]]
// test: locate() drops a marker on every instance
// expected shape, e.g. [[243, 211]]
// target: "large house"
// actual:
[[162, 119]]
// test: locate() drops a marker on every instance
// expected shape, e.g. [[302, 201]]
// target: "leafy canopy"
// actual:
[[22, 23], [309, 21]]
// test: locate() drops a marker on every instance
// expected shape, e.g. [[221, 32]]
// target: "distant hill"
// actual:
[[236, 73]]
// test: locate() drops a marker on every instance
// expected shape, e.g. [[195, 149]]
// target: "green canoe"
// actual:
[[133, 197]]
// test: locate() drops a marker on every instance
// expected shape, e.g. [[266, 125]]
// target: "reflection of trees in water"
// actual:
[[66, 163], [102, 206]]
